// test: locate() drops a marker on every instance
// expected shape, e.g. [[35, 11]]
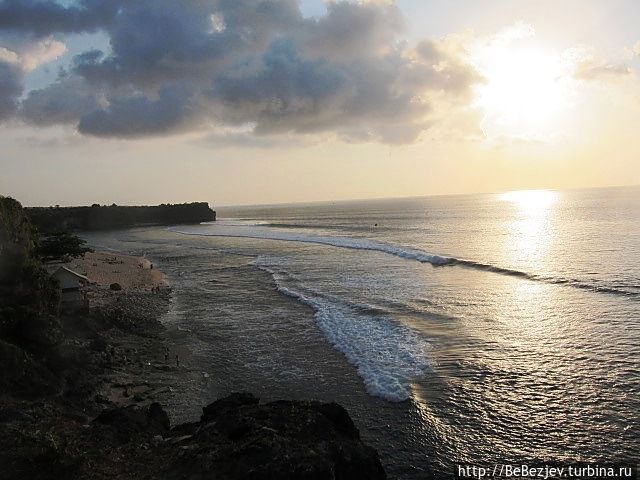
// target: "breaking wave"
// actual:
[[388, 355], [259, 232]]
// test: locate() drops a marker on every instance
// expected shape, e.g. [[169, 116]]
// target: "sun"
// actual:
[[525, 91]]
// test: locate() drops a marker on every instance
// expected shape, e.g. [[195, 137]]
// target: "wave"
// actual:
[[340, 242], [235, 222], [388, 356], [409, 253]]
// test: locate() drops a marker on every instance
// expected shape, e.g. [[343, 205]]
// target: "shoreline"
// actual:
[[120, 367]]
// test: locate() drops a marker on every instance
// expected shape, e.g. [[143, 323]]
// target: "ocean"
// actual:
[[470, 329]]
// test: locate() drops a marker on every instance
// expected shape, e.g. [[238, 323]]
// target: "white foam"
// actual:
[[335, 241], [234, 222], [388, 355]]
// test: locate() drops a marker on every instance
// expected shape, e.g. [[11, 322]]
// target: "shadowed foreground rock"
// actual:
[[238, 438]]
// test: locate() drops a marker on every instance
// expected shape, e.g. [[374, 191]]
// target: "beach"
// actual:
[[150, 366]]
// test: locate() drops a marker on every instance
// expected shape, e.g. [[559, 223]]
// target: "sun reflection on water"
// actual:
[[529, 232], [531, 201], [529, 235]]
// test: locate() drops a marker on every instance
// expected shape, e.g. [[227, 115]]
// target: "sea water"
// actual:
[[456, 329]]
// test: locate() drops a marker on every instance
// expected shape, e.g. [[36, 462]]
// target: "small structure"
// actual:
[[74, 296], [69, 280]]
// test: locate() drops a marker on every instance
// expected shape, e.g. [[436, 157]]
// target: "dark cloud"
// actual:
[[285, 91], [63, 102], [139, 115], [42, 17], [11, 86], [351, 30], [174, 66]]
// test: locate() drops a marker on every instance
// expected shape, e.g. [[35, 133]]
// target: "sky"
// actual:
[[273, 101]]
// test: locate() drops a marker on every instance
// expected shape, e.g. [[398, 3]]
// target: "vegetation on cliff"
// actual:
[[98, 217], [29, 301]]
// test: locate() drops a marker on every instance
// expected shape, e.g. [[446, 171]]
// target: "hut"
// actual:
[[69, 280]]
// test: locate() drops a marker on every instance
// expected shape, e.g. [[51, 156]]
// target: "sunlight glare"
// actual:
[[530, 201], [524, 93]]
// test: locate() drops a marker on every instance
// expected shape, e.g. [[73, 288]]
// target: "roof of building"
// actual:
[[80, 276]]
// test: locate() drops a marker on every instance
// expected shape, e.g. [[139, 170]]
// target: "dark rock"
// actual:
[[129, 421], [98, 344], [233, 401], [156, 416], [237, 438], [115, 286], [102, 399], [340, 418]]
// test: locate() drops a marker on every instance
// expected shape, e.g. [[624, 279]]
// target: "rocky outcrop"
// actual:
[[127, 422], [239, 438], [102, 217]]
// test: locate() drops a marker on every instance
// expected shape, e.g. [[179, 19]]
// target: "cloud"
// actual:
[[138, 115], [15, 62], [591, 69], [203, 65], [11, 86], [585, 63], [351, 30], [40, 52], [30, 53], [45, 17], [8, 56], [240, 138], [63, 102]]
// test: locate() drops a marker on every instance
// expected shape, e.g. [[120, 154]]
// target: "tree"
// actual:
[[62, 244]]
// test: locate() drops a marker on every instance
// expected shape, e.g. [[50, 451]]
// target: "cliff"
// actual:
[[97, 217], [29, 300]]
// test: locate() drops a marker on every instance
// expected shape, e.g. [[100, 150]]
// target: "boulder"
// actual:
[[232, 402], [238, 438]]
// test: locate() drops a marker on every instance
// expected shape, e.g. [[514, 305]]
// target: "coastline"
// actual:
[[120, 367]]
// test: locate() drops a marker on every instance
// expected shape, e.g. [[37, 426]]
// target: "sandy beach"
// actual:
[[132, 273]]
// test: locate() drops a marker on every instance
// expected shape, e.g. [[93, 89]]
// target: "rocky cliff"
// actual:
[[29, 300], [97, 217]]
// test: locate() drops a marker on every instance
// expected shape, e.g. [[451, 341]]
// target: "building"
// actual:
[[69, 280]]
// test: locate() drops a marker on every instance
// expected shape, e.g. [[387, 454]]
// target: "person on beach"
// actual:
[[177, 361], [166, 354]]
